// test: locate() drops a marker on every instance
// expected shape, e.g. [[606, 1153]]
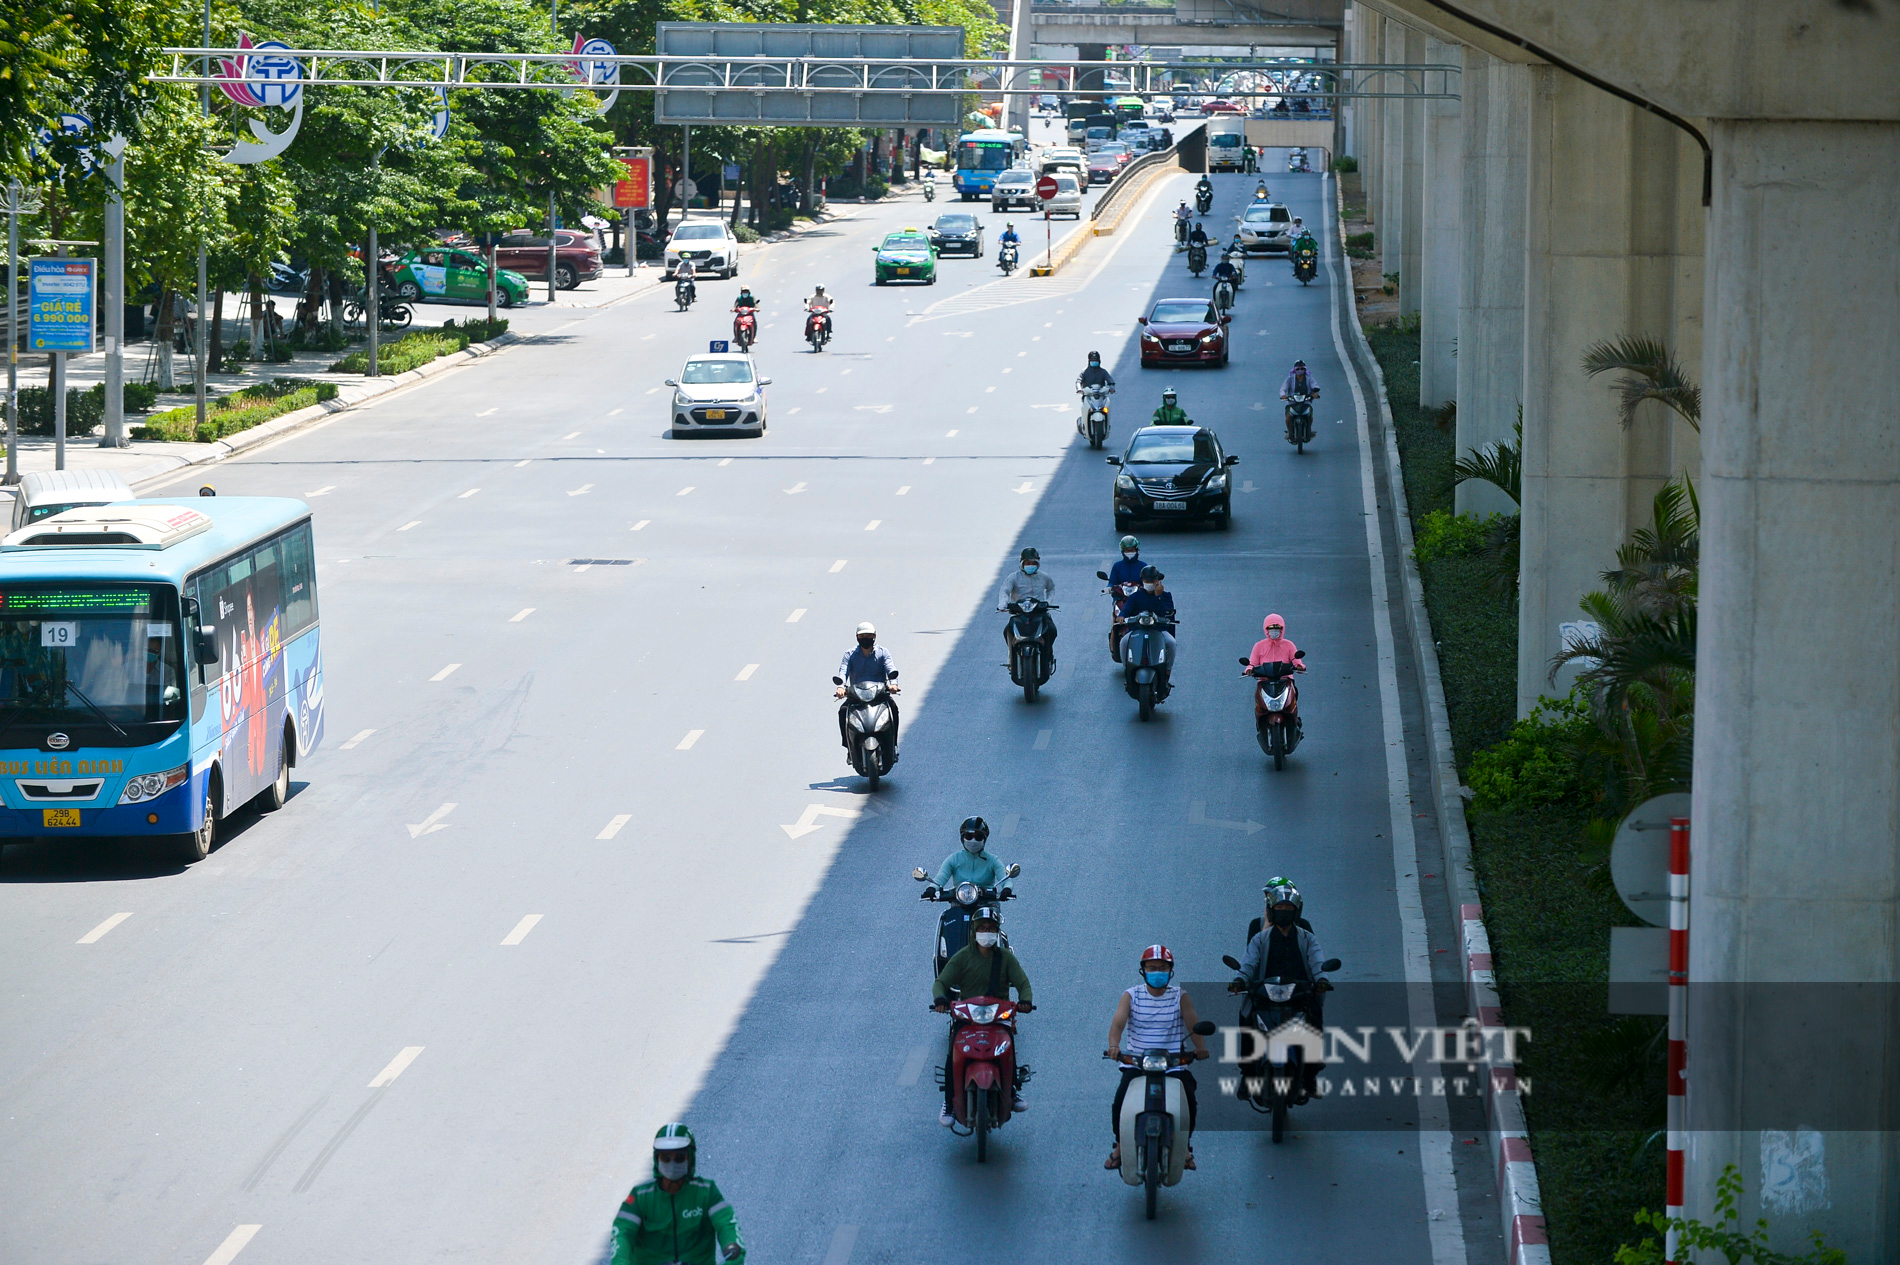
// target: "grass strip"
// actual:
[[240, 410]]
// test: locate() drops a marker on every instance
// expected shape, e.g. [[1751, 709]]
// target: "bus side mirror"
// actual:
[[204, 645]]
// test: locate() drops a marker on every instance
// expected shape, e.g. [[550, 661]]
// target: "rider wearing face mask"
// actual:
[[970, 863], [983, 968], [1275, 647], [1156, 1014], [1151, 596], [1286, 948], [678, 1216], [869, 662], [1029, 581]]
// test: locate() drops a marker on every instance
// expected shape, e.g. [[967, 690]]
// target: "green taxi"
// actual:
[[907, 255], [447, 274]]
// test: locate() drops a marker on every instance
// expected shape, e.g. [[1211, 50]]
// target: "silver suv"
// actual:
[[1266, 227], [1012, 188]]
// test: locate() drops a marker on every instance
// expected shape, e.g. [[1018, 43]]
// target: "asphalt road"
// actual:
[[343, 1028]]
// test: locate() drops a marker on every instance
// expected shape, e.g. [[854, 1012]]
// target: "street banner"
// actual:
[[60, 305]]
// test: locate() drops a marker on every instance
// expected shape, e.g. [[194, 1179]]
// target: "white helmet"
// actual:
[[866, 630]]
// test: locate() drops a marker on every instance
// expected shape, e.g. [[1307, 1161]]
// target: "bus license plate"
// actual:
[[1170, 505], [715, 415], [53, 818]]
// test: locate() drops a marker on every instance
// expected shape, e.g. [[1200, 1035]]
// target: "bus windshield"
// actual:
[[984, 155], [90, 654]]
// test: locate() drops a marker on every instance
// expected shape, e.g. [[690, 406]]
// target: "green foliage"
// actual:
[[1726, 1237], [85, 408], [1498, 463], [1650, 372], [140, 396], [479, 328], [745, 233], [1361, 245], [237, 411], [1442, 534], [1536, 764], [1346, 162], [408, 352]]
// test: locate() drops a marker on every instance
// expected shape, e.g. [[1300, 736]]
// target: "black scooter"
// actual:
[[953, 926], [1272, 1086], [1204, 199], [1305, 260], [1299, 421], [1030, 663], [1197, 257], [684, 293], [1148, 660], [868, 716]]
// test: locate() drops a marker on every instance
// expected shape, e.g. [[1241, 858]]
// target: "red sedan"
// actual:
[[1220, 107], [1183, 331]]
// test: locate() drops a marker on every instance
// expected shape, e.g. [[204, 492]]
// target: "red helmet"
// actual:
[[1158, 953]]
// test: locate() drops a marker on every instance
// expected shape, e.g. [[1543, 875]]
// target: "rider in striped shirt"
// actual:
[[1155, 1015]]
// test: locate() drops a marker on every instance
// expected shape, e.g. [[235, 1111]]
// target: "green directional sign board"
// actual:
[[787, 74]]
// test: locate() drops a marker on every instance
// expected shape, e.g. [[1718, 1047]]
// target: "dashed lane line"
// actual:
[[521, 614], [612, 828], [521, 930], [360, 735], [397, 1066], [443, 675], [692, 736], [98, 933], [745, 673]]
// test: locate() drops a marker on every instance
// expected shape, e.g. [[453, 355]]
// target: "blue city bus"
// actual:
[[159, 667], [982, 156]]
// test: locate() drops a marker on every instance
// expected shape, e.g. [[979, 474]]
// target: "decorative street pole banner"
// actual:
[[635, 190], [263, 78], [60, 295]]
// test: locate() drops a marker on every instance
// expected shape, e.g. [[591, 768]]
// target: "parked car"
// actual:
[[450, 274], [1173, 472], [959, 232], [575, 257], [1068, 199], [1183, 331], [708, 243], [1014, 187], [1266, 228]]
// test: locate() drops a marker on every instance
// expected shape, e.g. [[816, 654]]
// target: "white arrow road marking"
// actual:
[[1029, 485], [1247, 486], [521, 930], [98, 932], [795, 489], [432, 823], [328, 487], [582, 490], [1197, 816], [612, 828], [872, 408], [443, 675], [360, 735], [808, 820], [234, 1243], [396, 1067]]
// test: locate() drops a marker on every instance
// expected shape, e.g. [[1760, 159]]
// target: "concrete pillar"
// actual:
[[1369, 46], [1391, 152], [1796, 818], [1604, 257], [1495, 113], [1016, 109], [1440, 240], [1412, 216]]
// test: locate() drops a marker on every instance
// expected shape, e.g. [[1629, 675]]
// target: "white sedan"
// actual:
[[708, 243], [718, 393]]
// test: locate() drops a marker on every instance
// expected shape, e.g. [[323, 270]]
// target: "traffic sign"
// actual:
[[1046, 188], [1639, 858]]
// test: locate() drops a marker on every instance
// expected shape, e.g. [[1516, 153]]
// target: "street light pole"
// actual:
[[554, 25], [114, 295], [198, 350]]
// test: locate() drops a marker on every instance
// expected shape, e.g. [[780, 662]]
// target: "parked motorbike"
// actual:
[[1197, 258], [395, 310], [1006, 257], [1154, 1120], [1029, 661], [1223, 296], [1272, 1085], [1299, 421], [1305, 260], [953, 925], [745, 327], [1117, 594], [870, 726], [1204, 200], [983, 1065], [284, 279], [817, 329], [1147, 660], [1093, 421], [683, 293], [1276, 707]]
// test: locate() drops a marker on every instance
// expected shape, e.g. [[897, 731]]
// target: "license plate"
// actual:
[[1180, 346], [715, 415], [1171, 505], [903, 272], [53, 818]]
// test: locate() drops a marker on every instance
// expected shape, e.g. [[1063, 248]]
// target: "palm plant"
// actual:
[[1500, 464], [1650, 372]]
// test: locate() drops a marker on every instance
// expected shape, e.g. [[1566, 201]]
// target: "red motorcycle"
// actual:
[[1276, 706], [817, 327], [745, 327], [1117, 594], [983, 1065]]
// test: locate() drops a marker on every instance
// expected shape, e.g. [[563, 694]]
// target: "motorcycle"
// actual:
[[745, 327], [683, 293], [1197, 258], [285, 279], [1006, 257], [817, 328], [1273, 1085], [1204, 199], [1299, 421], [1296, 161], [393, 308], [1180, 233], [930, 191], [1147, 660], [1117, 594], [1223, 296], [1029, 661], [1276, 710], [983, 1066], [953, 926], [1237, 256], [1305, 260], [870, 726], [1153, 1120], [1094, 419]]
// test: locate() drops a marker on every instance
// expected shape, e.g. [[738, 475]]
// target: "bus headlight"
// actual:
[[151, 785]]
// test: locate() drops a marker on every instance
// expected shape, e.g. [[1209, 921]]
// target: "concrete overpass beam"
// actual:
[[1440, 241]]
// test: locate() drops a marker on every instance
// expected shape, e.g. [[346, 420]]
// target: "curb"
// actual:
[[1526, 1241], [1128, 197]]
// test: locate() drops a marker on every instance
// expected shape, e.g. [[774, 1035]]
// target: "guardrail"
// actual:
[[1118, 198]]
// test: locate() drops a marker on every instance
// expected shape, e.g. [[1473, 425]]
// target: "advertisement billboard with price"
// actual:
[[60, 306]]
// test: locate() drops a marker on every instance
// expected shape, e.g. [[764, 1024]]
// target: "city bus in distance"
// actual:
[[1128, 110], [159, 667], [982, 156]]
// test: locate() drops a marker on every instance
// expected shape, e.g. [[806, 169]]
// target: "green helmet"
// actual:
[[676, 1137], [1129, 542]]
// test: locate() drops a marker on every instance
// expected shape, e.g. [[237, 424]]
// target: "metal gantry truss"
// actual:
[[397, 68]]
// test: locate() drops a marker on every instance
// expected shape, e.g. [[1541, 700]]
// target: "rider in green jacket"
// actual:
[[678, 1216], [1170, 413]]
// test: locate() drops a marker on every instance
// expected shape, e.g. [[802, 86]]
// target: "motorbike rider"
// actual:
[[1197, 235], [1029, 581], [1275, 647], [985, 967], [1009, 237], [1095, 375], [1225, 271], [1182, 214], [1156, 1014], [1298, 382], [1286, 948], [1203, 188], [1260, 192], [678, 1216], [745, 299], [868, 662], [683, 276], [1170, 413], [970, 863], [1151, 597], [820, 305], [1300, 230], [1127, 572]]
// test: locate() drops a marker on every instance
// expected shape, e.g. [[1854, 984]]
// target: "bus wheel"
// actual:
[[197, 844], [274, 796]]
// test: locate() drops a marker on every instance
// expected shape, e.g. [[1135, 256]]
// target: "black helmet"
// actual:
[[986, 913], [1030, 555], [1095, 357], [1150, 573], [974, 828], [1299, 364]]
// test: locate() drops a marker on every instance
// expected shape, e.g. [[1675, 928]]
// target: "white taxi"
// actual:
[[719, 392]]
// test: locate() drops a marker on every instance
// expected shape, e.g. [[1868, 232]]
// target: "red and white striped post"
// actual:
[[1678, 1015]]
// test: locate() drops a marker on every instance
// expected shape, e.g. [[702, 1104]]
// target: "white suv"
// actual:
[[1013, 187], [708, 243], [1266, 227], [1068, 199]]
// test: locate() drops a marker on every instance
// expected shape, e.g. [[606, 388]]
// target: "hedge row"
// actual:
[[422, 346], [237, 411], [85, 409]]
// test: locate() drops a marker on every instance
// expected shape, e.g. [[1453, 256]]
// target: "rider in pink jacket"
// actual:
[[1275, 647]]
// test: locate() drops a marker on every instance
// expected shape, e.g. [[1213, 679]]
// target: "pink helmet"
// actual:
[[1273, 621]]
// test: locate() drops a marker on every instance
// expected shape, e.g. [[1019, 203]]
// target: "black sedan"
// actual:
[[957, 231], [1173, 472]]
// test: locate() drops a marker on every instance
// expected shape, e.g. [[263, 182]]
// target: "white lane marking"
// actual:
[[572, 435], [443, 675], [1004, 369], [1036, 339], [645, 337], [234, 1243], [971, 409], [793, 409], [795, 616], [612, 828], [432, 823], [326, 488], [585, 566], [408, 525], [808, 820], [873, 524], [98, 933], [582, 490], [683, 491], [1248, 486], [360, 735], [725, 461], [397, 1066], [1197, 816], [615, 412], [1022, 353], [930, 461], [837, 566], [1029, 485], [795, 489], [1434, 1135], [842, 372], [821, 390], [639, 525], [487, 411], [745, 673], [521, 614], [904, 491], [652, 390], [872, 408], [949, 434], [913, 1066], [1042, 739], [843, 1240], [523, 462], [521, 930], [692, 736], [988, 389], [467, 494]]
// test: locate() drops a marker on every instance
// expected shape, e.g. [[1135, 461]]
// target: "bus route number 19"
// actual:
[[61, 634]]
